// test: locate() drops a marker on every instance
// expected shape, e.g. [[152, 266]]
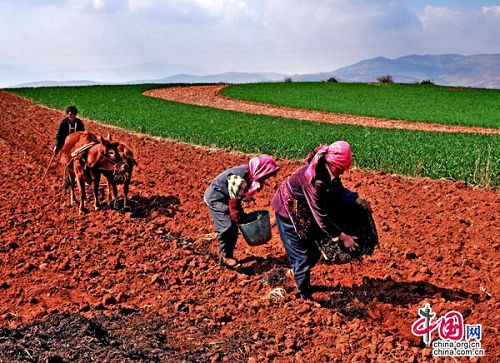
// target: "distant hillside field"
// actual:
[[456, 156], [424, 103]]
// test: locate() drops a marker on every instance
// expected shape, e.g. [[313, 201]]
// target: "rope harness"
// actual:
[[81, 154], [81, 149]]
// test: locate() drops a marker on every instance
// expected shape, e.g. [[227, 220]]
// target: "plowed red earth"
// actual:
[[149, 282]]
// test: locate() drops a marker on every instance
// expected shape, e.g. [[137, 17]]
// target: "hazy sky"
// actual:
[[286, 36]]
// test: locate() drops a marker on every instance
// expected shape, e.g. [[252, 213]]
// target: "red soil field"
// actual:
[[150, 277]]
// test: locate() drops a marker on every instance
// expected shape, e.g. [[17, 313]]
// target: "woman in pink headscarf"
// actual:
[[224, 196], [302, 204]]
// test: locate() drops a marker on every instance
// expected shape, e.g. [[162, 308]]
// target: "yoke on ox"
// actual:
[[85, 157]]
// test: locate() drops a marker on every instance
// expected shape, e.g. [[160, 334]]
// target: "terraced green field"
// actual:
[[424, 103], [469, 157]]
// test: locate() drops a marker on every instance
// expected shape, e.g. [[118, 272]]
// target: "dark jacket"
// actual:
[[322, 195], [64, 130]]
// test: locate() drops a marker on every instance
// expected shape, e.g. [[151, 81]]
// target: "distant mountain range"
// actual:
[[23, 76], [228, 77], [50, 83], [481, 70]]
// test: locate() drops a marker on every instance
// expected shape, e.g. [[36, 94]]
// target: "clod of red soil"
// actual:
[[158, 262]]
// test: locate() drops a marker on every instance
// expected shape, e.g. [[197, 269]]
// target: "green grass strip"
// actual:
[[468, 157], [424, 103]]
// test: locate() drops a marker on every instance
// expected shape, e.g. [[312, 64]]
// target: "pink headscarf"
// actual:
[[259, 168], [338, 154]]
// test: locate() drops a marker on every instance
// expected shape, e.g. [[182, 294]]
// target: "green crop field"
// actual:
[[469, 157], [425, 103]]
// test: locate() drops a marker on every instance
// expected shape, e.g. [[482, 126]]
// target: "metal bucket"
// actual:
[[257, 230]]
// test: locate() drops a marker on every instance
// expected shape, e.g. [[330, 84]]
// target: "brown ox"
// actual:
[[127, 156], [85, 157]]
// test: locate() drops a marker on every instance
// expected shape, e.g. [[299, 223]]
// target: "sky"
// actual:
[[38, 38]]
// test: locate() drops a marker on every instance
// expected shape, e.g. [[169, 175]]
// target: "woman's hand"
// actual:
[[349, 241]]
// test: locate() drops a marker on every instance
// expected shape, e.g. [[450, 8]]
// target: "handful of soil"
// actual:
[[355, 220]]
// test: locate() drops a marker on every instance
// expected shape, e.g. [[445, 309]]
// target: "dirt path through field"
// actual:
[[439, 245], [210, 96]]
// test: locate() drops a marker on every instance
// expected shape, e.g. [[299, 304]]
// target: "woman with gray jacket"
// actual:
[[224, 197]]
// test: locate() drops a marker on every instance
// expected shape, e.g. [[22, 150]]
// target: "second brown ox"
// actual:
[[127, 156]]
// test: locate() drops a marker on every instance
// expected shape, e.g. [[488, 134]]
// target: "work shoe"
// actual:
[[228, 262]]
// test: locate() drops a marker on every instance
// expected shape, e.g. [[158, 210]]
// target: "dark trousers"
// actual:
[[227, 241], [225, 227], [302, 254]]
